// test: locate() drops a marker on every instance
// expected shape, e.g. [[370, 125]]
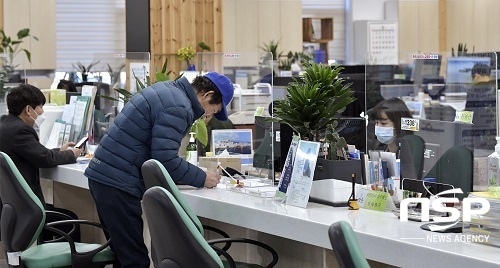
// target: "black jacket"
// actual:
[[20, 141]]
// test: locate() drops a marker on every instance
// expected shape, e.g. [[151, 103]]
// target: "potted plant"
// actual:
[[313, 106], [186, 54], [85, 70], [11, 48], [204, 47], [273, 56]]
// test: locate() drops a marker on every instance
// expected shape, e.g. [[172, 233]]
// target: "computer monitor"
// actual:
[[267, 144], [458, 69], [425, 68], [438, 136], [395, 91]]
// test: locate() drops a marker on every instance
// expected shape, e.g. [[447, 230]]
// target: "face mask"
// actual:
[[384, 134], [39, 118]]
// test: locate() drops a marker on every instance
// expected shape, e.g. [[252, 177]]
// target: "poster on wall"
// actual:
[[304, 165]]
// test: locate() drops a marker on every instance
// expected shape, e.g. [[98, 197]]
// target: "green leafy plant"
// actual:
[[204, 47], [461, 51], [272, 47], [298, 57], [114, 74], [11, 48], [85, 70], [314, 103]]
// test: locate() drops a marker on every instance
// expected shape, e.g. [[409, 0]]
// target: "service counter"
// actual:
[[300, 235]]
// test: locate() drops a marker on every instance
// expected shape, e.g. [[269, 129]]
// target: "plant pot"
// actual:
[[339, 170], [85, 77]]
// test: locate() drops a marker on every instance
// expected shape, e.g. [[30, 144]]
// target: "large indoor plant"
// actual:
[[313, 105], [10, 48]]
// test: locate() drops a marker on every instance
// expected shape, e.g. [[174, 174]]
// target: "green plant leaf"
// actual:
[[23, 33], [161, 77], [200, 129], [28, 54], [164, 68]]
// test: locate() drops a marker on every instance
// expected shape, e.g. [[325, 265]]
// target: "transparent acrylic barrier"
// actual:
[[252, 76], [12, 72], [443, 109], [115, 70]]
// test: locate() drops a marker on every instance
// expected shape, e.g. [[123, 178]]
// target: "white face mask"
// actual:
[[39, 118], [384, 134]]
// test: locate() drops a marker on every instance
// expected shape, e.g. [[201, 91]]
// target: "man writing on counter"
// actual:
[[150, 126]]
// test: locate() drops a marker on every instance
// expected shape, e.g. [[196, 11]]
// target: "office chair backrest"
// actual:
[[155, 174], [176, 240], [455, 167], [23, 215], [346, 246], [412, 148]]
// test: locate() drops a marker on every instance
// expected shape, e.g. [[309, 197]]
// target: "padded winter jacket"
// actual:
[[150, 126]]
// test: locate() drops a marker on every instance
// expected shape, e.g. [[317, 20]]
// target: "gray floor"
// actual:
[[3, 263]]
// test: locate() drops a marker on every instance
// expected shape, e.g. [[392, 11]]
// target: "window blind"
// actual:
[[87, 27]]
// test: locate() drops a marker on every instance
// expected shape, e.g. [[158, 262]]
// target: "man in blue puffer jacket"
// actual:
[[150, 126]]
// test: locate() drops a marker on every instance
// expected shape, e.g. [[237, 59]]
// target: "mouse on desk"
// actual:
[[455, 228]]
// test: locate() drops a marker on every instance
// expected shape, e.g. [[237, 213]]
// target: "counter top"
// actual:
[[382, 236]]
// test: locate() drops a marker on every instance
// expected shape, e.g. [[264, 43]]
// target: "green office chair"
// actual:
[[155, 174], [346, 246], [177, 241], [22, 220], [455, 167]]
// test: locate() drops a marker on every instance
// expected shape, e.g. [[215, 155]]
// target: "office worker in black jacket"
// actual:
[[20, 141]]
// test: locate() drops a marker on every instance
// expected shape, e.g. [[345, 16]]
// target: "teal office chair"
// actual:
[[22, 220], [176, 240], [155, 174], [455, 167], [346, 246]]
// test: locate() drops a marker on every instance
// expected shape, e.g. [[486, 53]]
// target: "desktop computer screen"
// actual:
[[425, 68], [458, 69], [264, 140]]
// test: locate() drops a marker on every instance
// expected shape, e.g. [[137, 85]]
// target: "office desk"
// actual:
[[382, 236]]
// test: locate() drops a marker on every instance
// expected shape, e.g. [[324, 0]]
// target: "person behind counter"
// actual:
[[150, 126], [387, 116], [19, 140], [480, 73]]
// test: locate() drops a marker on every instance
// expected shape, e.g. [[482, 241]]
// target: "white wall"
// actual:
[[364, 10]]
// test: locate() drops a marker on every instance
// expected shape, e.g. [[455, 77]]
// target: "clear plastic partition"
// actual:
[[252, 76], [436, 111], [12, 73], [114, 70]]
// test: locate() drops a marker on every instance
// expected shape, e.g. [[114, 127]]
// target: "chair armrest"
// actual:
[[248, 241], [49, 226], [220, 232], [226, 255], [60, 239]]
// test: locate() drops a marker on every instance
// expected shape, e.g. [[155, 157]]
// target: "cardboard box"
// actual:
[[211, 162]]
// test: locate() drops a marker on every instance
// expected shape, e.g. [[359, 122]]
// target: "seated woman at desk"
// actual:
[[387, 116]]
